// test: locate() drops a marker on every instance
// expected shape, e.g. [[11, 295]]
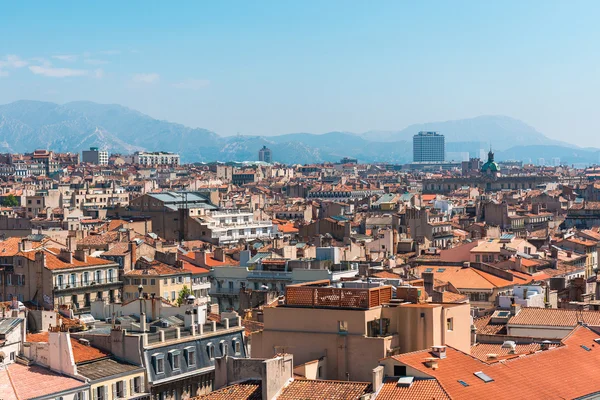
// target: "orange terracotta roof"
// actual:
[[53, 262], [304, 389], [248, 390], [485, 328], [470, 278], [554, 317], [385, 275], [541, 375], [482, 350], [420, 389], [81, 352]]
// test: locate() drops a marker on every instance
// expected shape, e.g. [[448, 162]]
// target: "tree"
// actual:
[[183, 295], [10, 201]]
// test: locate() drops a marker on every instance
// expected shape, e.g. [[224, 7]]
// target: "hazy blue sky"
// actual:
[[268, 67]]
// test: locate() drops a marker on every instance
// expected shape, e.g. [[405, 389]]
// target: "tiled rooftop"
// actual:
[[420, 389], [34, 381], [565, 372], [305, 389], [249, 390], [554, 317]]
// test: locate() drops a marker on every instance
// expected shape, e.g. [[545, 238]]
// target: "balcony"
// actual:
[[226, 292], [270, 275], [78, 284], [330, 297]]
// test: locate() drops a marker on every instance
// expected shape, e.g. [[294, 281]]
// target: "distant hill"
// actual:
[[27, 125], [500, 132]]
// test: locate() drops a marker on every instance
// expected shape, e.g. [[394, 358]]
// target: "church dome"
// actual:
[[490, 166]]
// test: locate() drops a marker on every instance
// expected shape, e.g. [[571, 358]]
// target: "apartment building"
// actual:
[[54, 278], [157, 279], [355, 328], [230, 226], [156, 158]]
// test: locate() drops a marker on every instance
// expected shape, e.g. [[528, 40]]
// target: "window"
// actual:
[[477, 258], [173, 296], [180, 279], [450, 324], [137, 385], [173, 280], [210, 350], [175, 359], [165, 281], [343, 327], [483, 377], [237, 346], [399, 370], [166, 295], [159, 364], [12, 356], [223, 347], [153, 282], [191, 356], [144, 281], [100, 394]]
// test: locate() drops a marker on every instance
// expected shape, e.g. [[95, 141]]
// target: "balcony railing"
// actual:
[[260, 274], [88, 283]]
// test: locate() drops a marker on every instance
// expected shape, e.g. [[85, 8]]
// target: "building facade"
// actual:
[[429, 146]]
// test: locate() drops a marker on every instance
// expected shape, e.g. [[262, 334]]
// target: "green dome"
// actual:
[[490, 166]]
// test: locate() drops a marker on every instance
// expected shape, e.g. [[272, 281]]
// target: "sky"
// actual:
[[274, 67]]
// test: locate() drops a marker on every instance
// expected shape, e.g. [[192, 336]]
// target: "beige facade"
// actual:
[[61, 279], [354, 340]]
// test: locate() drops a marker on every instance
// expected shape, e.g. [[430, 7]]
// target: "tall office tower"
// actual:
[[265, 155], [429, 147]]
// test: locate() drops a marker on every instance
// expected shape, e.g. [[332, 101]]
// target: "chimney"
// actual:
[[81, 255], [514, 309], [428, 282], [377, 378], [200, 258], [219, 254], [71, 243], [133, 252], [66, 256]]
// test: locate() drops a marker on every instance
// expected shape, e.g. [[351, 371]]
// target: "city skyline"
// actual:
[[270, 68]]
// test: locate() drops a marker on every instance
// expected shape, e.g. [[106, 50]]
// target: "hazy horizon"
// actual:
[[274, 68]]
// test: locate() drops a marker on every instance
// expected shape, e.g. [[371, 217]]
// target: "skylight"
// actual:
[[465, 384], [483, 377], [586, 348]]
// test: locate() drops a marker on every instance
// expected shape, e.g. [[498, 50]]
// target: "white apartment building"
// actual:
[[230, 226], [156, 158]]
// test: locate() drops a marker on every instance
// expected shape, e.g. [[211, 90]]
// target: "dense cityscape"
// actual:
[[299, 200], [139, 277]]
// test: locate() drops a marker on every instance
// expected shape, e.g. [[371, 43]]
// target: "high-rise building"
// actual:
[[265, 155], [429, 147], [95, 156]]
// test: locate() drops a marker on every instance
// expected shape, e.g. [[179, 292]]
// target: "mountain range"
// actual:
[[28, 125]]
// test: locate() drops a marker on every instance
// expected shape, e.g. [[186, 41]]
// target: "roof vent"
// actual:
[[510, 345], [431, 362], [492, 356], [84, 342], [545, 345], [439, 351]]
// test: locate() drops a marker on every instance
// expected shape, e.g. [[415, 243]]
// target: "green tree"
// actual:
[[183, 295], [10, 201]]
